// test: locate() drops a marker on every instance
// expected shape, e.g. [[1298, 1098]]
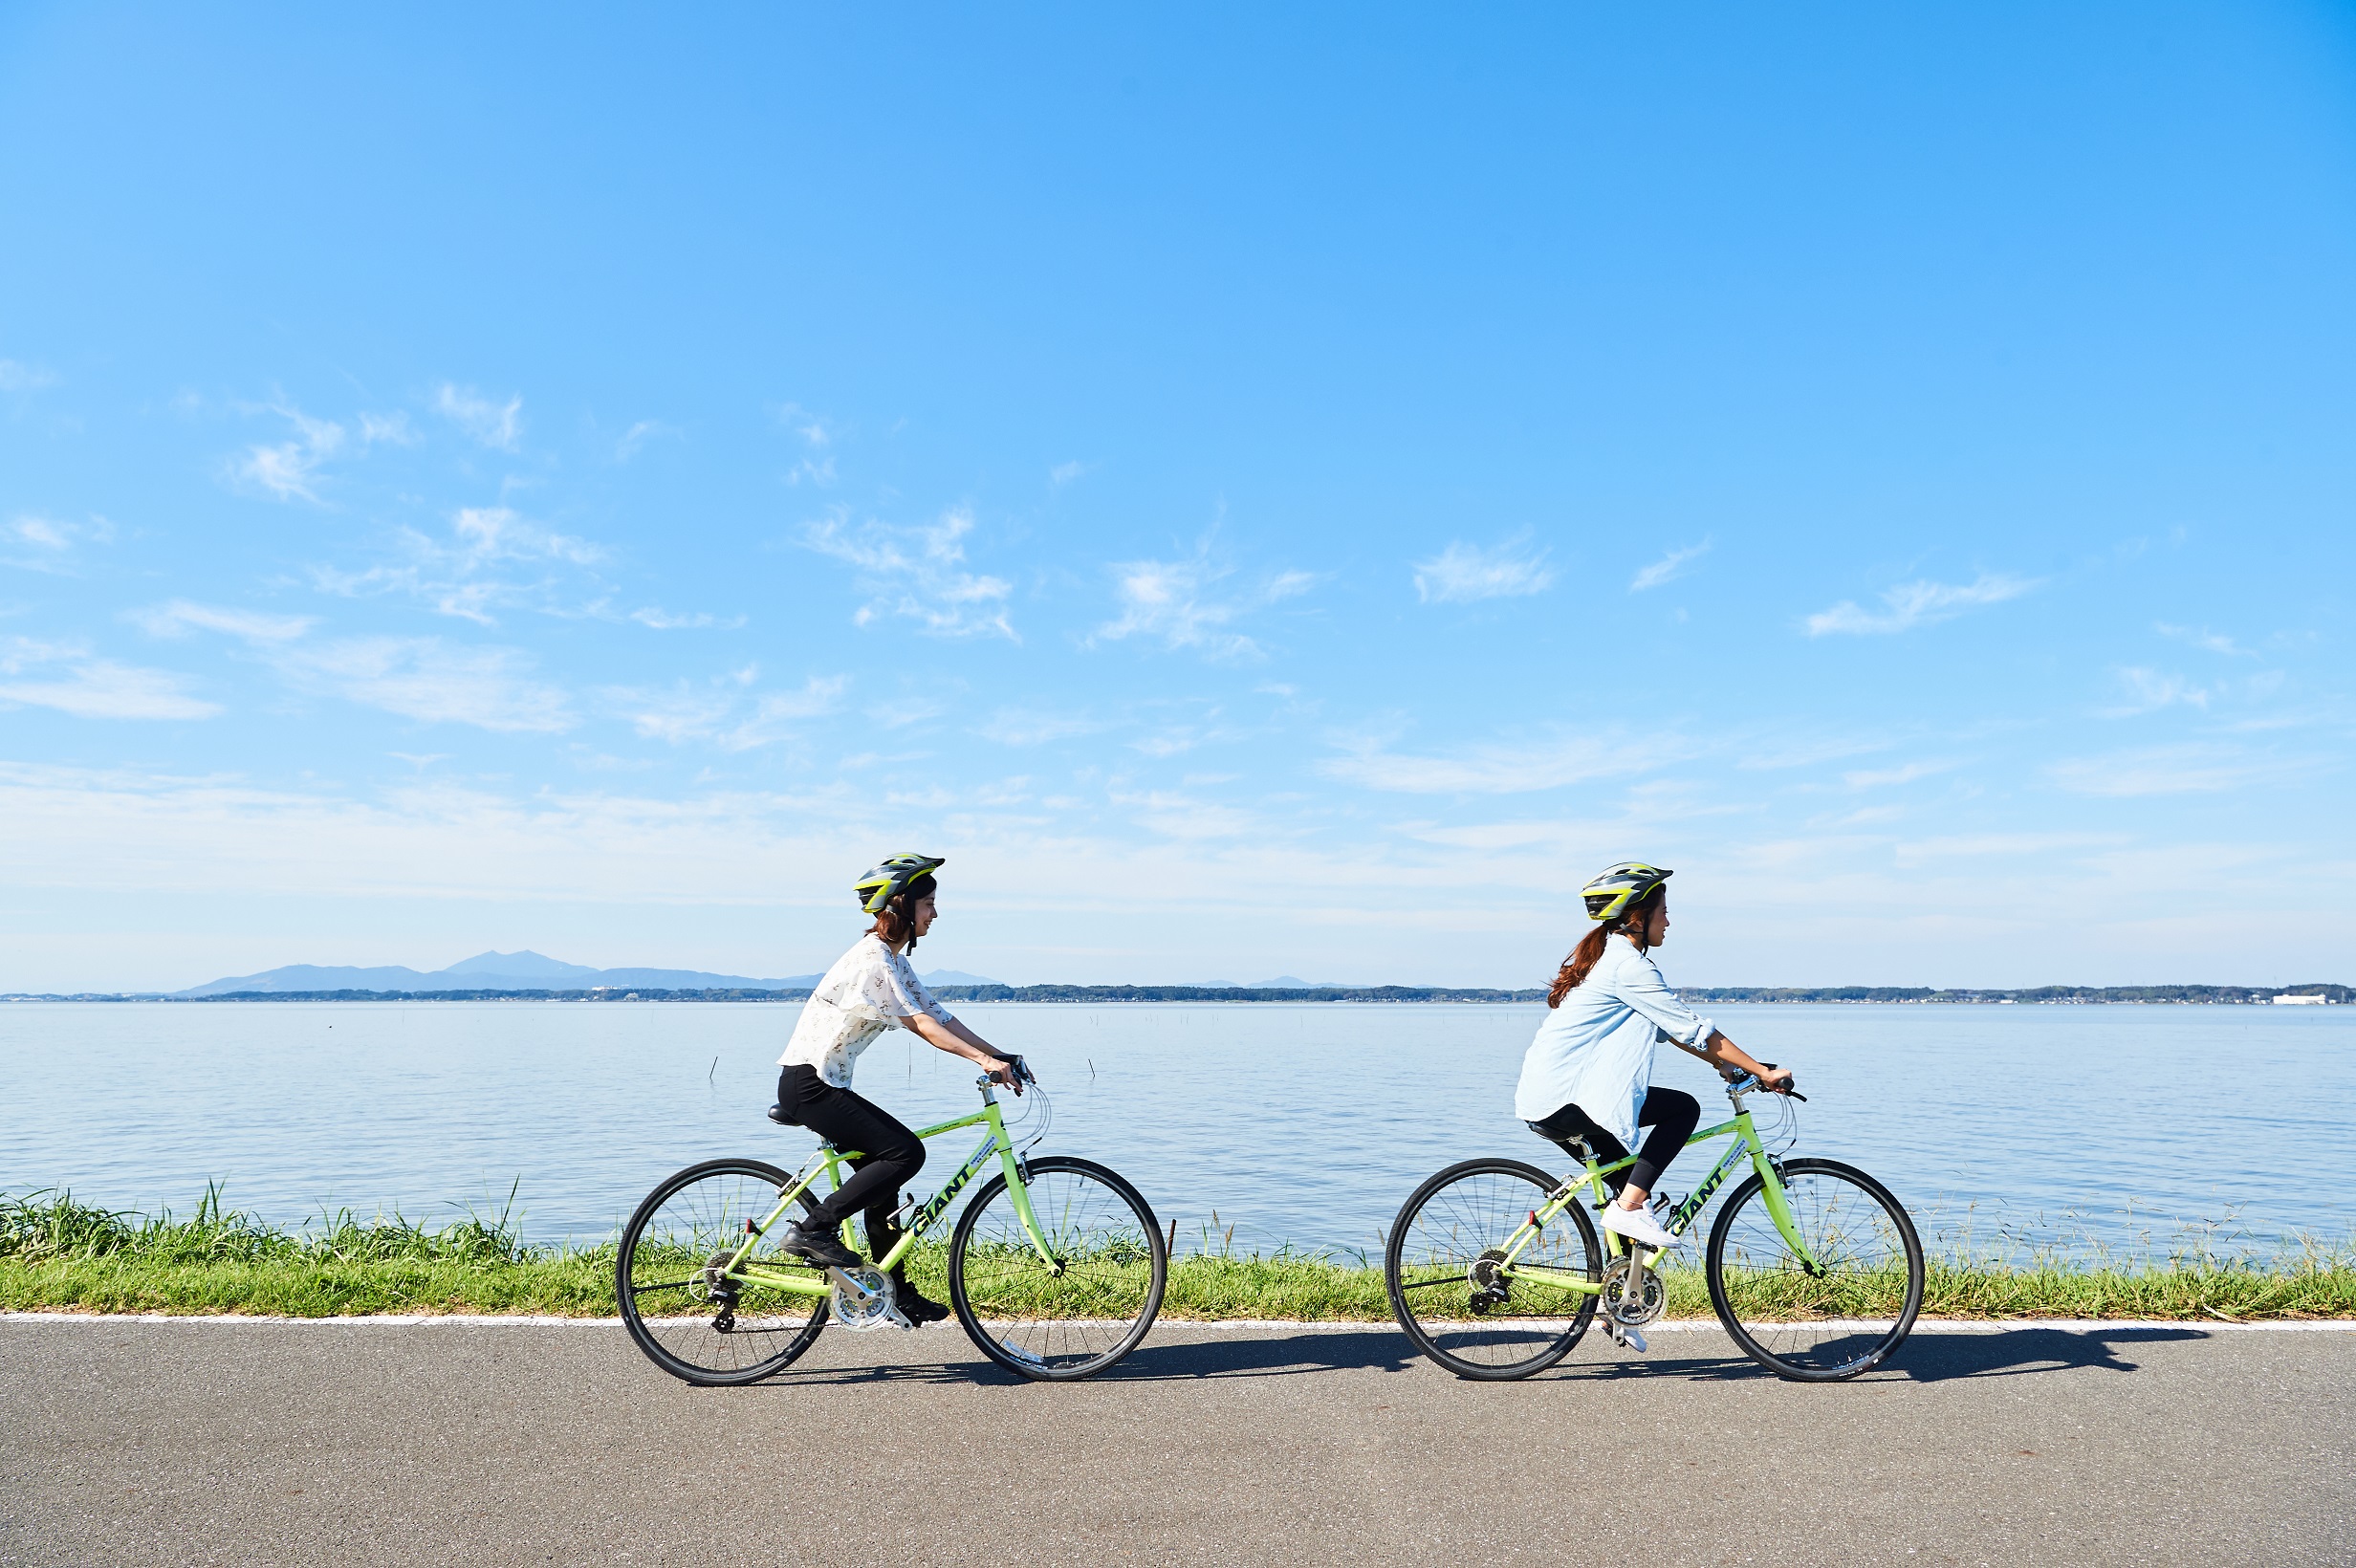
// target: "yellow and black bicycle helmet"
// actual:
[[886, 883], [1608, 896]]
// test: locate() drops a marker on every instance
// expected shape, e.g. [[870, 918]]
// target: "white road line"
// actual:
[[1924, 1325]]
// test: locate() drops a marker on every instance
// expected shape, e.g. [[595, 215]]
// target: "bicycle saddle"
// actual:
[[776, 1114]]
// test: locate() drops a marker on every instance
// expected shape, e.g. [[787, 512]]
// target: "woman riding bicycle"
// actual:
[[869, 990], [1587, 1076]]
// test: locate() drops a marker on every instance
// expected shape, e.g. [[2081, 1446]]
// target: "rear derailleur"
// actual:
[[1490, 1288]]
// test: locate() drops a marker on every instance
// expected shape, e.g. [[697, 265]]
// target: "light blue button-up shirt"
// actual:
[[1595, 1051]]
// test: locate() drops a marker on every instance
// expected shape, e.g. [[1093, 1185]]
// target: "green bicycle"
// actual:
[[1055, 1268], [1495, 1269]]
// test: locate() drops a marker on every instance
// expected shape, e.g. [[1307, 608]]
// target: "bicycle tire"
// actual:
[[1039, 1322], [712, 1358], [1784, 1306], [1450, 1234]]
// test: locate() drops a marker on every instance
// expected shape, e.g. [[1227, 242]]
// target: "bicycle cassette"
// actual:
[[875, 1310], [1625, 1308], [1489, 1285]]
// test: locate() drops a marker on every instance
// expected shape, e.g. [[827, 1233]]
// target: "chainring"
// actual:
[[1623, 1308], [877, 1310]]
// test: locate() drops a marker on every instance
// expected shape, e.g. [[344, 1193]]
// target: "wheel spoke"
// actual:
[[1080, 1313], [1847, 1314], [1453, 1231], [694, 1323]]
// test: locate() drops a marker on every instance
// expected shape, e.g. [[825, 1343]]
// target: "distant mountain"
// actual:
[[526, 962], [954, 978], [491, 971]]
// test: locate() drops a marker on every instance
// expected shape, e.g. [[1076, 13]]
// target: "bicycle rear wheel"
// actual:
[[691, 1323], [1077, 1311], [1443, 1236], [1845, 1314]]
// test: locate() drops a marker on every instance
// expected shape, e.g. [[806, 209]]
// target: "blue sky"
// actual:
[[1261, 493]]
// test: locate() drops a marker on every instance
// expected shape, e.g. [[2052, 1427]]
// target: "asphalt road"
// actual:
[[199, 1443]]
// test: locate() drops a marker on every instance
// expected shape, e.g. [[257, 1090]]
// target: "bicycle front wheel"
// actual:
[[1459, 1302], [692, 1321], [1088, 1301], [1843, 1309]]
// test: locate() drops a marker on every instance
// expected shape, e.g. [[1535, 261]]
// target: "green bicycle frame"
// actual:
[[829, 1162], [1746, 1141]]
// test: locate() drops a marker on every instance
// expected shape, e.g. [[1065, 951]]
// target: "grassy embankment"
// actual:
[[58, 1255]]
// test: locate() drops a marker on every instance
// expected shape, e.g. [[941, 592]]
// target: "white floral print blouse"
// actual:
[[870, 989]]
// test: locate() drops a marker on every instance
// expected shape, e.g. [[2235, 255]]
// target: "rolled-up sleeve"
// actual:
[[1643, 988]]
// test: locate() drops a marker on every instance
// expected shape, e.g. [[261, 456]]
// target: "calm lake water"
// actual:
[[2081, 1126]]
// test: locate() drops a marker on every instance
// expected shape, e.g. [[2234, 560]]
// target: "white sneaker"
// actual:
[[1640, 1226]]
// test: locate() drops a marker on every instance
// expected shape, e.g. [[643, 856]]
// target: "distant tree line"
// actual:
[[2036, 993], [1108, 994]]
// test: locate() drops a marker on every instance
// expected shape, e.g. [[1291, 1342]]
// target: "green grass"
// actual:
[[60, 1254]]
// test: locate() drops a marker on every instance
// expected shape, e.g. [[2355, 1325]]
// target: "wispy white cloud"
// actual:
[[421, 678], [1177, 816], [1544, 761], [1182, 604], [1670, 567], [67, 677], [386, 429], [1063, 473], [433, 682], [1033, 726], [817, 464], [1464, 572], [498, 425], [2006, 846], [16, 376], [1912, 604], [638, 435], [2148, 691], [815, 430], [291, 469], [48, 544], [180, 616], [467, 575], [1875, 778], [727, 711], [664, 620], [2174, 770], [288, 469], [918, 573], [2207, 640]]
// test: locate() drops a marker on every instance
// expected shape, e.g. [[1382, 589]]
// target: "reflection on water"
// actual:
[[2090, 1127]]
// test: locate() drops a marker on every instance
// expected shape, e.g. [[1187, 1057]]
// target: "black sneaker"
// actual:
[[914, 1306], [820, 1247]]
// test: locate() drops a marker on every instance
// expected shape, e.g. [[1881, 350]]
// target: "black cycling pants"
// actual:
[[888, 1153], [1671, 1114]]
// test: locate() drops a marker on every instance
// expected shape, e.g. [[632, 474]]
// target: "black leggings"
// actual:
[[1671, 1114], [888, 1153]]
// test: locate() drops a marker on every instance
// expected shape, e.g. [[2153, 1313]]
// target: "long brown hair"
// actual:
[[1590, 949], [897, 923]]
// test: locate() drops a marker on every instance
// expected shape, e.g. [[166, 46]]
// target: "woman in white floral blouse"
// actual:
[[872, 989]]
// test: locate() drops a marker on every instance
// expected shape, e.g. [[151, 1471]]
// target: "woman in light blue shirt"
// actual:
[[1588, 1076]]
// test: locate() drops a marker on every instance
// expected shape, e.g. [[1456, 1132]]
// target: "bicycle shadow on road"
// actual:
[[2017, 1352], [1239, 1356], [1925, 1357]]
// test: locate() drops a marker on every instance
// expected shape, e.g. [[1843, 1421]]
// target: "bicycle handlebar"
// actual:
[[1743, 1084]]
